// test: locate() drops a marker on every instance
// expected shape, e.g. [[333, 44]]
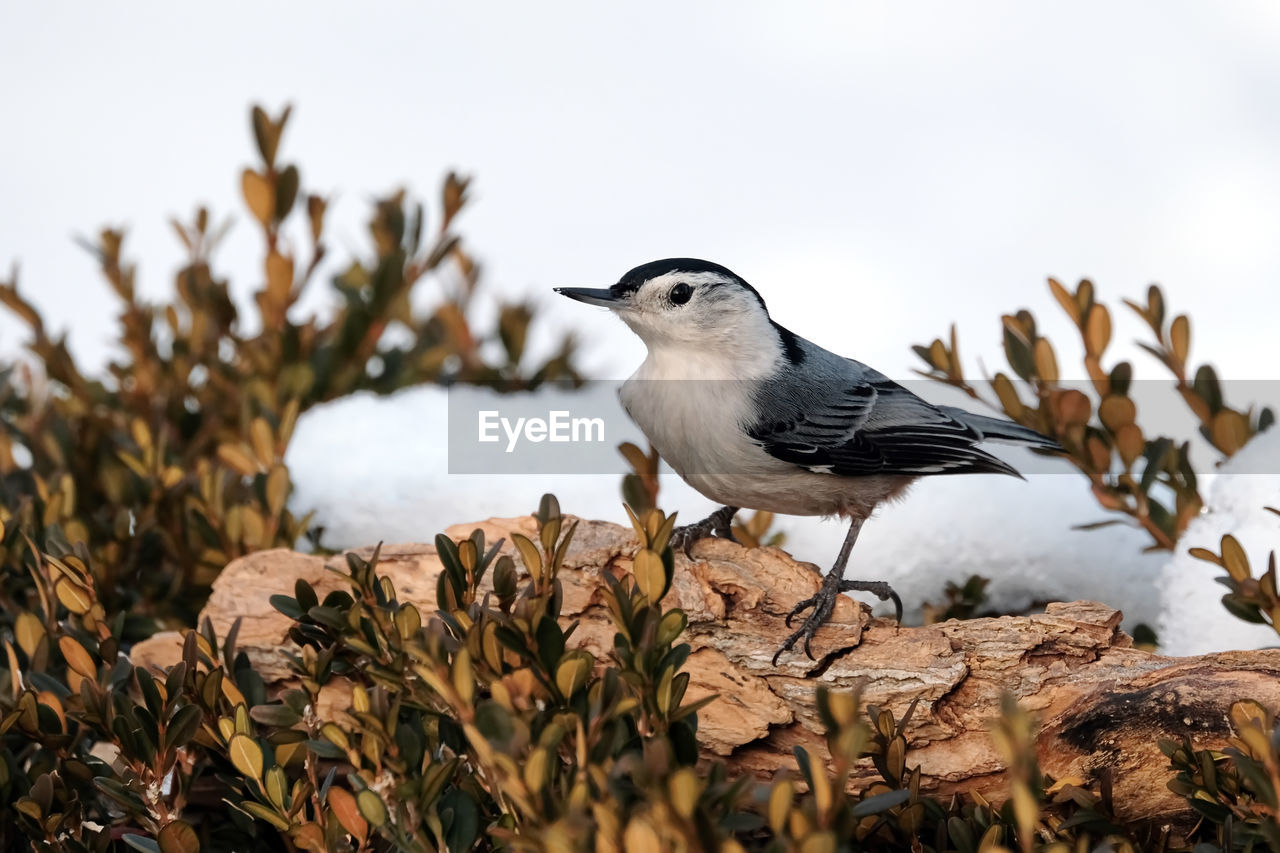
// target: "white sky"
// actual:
[[877, 170]]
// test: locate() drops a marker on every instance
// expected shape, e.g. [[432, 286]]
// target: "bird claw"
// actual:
[[824, 604], [718, 524]]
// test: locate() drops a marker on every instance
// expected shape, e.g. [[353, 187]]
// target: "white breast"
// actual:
[[695, 411]]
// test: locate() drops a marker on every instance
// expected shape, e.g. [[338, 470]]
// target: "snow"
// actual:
[[1191, 620], [376, 469]]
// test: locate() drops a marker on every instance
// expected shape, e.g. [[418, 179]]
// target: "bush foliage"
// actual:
[[478, 725], [1134, 471], [173, 462]]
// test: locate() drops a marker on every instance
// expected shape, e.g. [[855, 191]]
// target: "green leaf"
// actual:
[[280, 715], [288, 606], [182, 726], [461, 820], [881, 802], [138, 842], [286, 191], [371, 807], [550, 643]]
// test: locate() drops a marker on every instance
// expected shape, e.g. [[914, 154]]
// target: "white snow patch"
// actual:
[[1192, 620], [375, 468]]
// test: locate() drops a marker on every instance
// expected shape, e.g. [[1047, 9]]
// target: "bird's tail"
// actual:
[[1003, 431]]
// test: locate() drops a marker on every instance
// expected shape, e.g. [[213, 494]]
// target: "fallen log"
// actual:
[[1102, 704]]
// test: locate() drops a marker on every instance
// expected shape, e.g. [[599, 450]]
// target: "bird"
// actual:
[[753, 416]]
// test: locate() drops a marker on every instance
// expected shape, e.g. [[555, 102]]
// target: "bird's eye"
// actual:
[[681, 293]]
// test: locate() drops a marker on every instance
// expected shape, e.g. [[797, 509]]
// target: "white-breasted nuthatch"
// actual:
[[754, 416]]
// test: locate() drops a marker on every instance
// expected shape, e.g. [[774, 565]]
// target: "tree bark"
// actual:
[[1102, 704]]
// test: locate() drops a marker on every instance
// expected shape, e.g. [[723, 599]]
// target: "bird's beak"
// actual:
[[590, 295]]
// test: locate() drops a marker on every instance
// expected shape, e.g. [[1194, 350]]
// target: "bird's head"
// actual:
[[681, 301]]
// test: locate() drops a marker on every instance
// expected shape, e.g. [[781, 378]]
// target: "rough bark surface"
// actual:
[[1102, 703]]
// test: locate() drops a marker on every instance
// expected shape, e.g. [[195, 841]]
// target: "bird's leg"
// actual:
[[716, 524], [825, 601]]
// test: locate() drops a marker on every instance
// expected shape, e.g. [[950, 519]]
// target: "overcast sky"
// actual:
[[877, 170]]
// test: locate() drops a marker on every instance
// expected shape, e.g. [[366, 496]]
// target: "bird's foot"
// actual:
[[716, 524], [824, 603]]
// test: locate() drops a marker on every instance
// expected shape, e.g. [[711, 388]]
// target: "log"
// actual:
[[1102, 703]]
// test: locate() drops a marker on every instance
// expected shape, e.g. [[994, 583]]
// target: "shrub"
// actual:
[[479, 725], [476, 726], [1132, 469], [172, 463]]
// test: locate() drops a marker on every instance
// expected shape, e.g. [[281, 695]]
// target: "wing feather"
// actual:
[[865, 428]]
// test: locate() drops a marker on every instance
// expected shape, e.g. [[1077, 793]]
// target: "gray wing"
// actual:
[[841, 417]]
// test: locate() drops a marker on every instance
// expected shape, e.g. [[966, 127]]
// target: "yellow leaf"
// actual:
[[1066, 300], [259, 195], [246, 756], [333, 733], [315, 214], [264, 443], [1070, 407], [535, 769], [1116, 410], [1229, 431], [1046, 362], [276, 786], [1180, 338], [1097, 332], [685, 788], [1008, 396], [372, 807], [1099, 456], [277, 489], [635, 457], [822, 793], [1025, 809], [343, 805], [226, 728], [464, 681], [237, 459], [490, 648], [76, 657], [29, 631], [939, 357], [309, 836], [651, 575], [1130, 443], [233, 694], [254, 532], [572, 673], [1234, 559], [279, 278], [529, 554], [640, 837], [73, 597], [51, 701], [819, 842], [178, 837], [780, 804], [141, 435], [288, 754]]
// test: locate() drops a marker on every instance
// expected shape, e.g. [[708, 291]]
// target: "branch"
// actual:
[[1102, 703]]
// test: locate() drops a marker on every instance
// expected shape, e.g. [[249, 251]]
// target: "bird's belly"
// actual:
[[698, 429], [800, 492]]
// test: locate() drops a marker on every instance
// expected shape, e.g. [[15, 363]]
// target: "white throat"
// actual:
[[753, 356]]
